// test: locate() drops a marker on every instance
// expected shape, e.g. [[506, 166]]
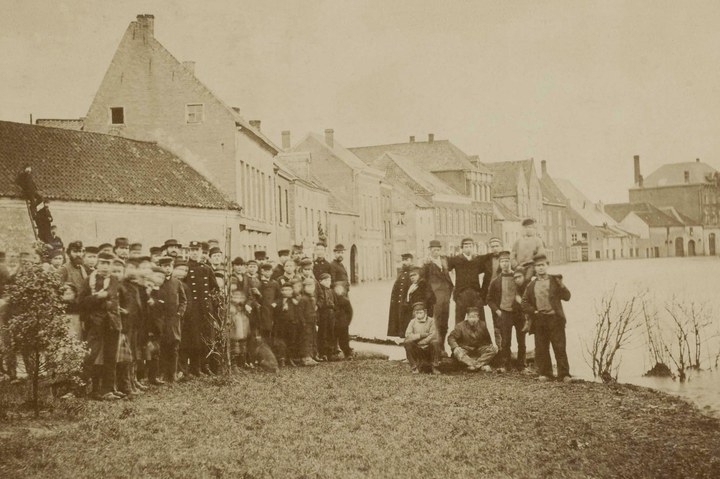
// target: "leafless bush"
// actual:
[[654, 341], [688, 326], [615, 324]]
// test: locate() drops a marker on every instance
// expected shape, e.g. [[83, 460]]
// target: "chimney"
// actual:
[[329, 137], [687, 176], [640, 180], [697, 160], [190, 66], [637, 170], [147, 23], [431, 137], [412, 139], [255, 124], [543, 167], [286, 140]]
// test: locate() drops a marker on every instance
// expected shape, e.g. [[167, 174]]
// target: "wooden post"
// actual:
[[228, 319]]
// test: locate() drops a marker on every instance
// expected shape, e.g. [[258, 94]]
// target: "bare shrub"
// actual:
[[688, 324], [615, 324]]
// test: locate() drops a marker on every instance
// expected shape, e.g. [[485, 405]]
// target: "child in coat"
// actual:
[[343, 317]]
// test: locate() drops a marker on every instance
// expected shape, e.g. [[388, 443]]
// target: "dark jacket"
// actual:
[[101, 312], [321, 266], [486, 269], [558, 293], [133, 309], [419, 295], [343, 311], [397, 301], [467, 272], [469, 337], [338, 272], [169, 309], [494, 296], [438, 280], [325, 298], [309, 308], [203, 288]]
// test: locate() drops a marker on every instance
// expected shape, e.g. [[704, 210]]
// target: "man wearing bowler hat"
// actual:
[[337, 268], [437, 277], [172, 248]]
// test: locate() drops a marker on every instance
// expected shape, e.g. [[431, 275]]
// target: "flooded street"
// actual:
[[688, 279]]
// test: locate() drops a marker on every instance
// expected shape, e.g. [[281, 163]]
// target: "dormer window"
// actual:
[[194, 113], [117, 115]]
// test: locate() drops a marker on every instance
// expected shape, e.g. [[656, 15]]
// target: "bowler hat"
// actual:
[[260, 255], [339, 247], [435, 244], [238, 261], [106, 257], [528, 222], [283, 252], [171, 242], [406, 256], [205, 246]]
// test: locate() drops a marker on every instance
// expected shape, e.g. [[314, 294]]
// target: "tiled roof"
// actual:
[[505, 176], [674, 174], [83, 166], [417, 179], [438, 155], [504, 213], [550, 191], [650, 214], [69, 124], [339, 206], [341, 152], [590, 212], [681, 217]]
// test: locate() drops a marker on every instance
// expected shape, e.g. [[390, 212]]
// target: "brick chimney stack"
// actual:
[[330, 137], [286, 139], [431, 137], [147, 23], [255, 124], [543, 167], [637, 170]]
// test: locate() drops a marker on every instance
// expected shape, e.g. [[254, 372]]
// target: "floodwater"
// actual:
[[686, 279]]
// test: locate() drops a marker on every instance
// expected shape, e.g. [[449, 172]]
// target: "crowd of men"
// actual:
[[516, 287], [155, 318]]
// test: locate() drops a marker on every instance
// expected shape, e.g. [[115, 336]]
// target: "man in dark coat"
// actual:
[[171, 295], [337, 268], [180, 272], [467, 279], [398, 296], [542, 301], [490, 269], [100, 300], [200, 318], [279, 270], [437, 277], [321, 265], [73, 271]]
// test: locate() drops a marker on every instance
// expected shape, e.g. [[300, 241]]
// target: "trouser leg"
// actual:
[[542, 347], [343, 337], [411, 353], [463, 357], [485, 354], [506, 325], [169, 351], [558, 341], [111, 342], [441, 312], [519, 322], [123, 377]]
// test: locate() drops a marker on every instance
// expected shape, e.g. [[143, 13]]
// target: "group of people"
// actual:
[[152, 319], [515, 285]]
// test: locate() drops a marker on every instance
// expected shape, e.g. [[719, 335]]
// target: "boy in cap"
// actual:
[[173, 301], [542, 302], [90, 258], [471, 344], [506, 311], [270, 294], [287, 327], [399, 309], [122, 248], [326, 304], [527, 247], [105, 248], [100, 301], [239, 327], [283, 256], [308, 300], [421, 341], [135, 250]]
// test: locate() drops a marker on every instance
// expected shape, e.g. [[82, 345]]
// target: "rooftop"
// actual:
[[505, 176], [650, 214], [673, 174], [73, 165]]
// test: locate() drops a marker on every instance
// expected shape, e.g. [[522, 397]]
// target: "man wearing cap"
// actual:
[[542, 302], [73, 271], [200, 318], [135, 250], [337, 268], [122, 248], [217, 265], [422, 345], [467, 283], [283, 255], [398, 314], [527, 247], [326, 339], [105, 248], [100, 300], [321, 265], [507, 313], [155, 253], [172, 248], [205, 252], [260, 257], [90, 258], [297, 253], [470, 342], [437, 277]]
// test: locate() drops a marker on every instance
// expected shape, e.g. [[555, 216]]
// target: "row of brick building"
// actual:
[[157, 138]]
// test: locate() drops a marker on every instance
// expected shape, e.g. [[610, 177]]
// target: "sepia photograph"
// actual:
[[360, 238]]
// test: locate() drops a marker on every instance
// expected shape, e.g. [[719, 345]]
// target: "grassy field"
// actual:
[[367, 419]]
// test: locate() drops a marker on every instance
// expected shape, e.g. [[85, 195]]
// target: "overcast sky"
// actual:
[[583, 85]]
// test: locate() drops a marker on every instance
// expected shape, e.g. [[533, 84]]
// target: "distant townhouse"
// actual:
[[661, 232], [147, 94], [417, 196], [101, 186], [693, 190], [463, 173], [594, 234], [357, 189], [555, 217], [507, 225]]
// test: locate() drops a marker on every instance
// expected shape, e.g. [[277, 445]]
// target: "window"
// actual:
[[117, 115], [574, 238], [194, 113]]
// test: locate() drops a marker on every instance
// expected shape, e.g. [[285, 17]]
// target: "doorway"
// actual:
[[691, 248], [679, 247], [711, 244]]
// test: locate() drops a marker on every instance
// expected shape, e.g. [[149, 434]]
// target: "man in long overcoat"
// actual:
[[437, 277], [199, 331], [397, 298]]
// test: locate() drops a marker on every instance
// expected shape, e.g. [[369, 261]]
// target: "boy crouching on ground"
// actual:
[[470, 342], [422, 343], [542, 302]]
